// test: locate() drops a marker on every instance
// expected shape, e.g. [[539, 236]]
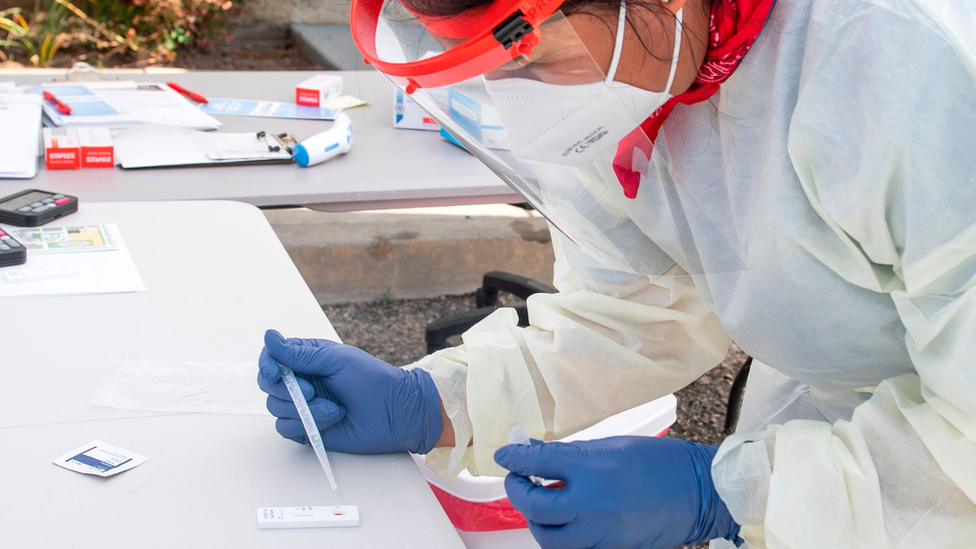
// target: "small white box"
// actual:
[[407, 115], [316, 90]]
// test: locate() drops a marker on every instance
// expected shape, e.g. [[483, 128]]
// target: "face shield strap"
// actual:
[[512, 30], [467, 24], [490, 38]]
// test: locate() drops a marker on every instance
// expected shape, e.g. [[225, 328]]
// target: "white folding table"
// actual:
[[387, 168], [217, 277]]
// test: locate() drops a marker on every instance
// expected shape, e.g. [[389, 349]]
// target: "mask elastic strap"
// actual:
[[618, 44], [677, 50]]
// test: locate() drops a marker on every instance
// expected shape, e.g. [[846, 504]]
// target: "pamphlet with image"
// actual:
[[71, 238]]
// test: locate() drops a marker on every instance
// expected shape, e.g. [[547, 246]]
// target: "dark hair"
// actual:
[[596, 8]]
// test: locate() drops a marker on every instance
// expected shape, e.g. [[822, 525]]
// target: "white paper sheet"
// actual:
[[20, 130], [104, 272], [152, 103]]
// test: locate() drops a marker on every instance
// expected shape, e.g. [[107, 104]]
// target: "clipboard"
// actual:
[[159, 146]]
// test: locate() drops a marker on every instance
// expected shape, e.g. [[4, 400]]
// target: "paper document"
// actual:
[[155, 146], [75, 238], [107, 272], [100, 459], [86, 107], [122, 105], [20, 130], [158, 104], [267, 109]]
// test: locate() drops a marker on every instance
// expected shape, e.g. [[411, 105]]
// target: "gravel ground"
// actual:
[[393, 331], [249, 48]]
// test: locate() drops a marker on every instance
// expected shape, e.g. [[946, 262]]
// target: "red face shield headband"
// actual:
[[492, 37]]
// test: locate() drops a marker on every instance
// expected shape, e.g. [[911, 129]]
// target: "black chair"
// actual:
[[486, 301], [735, 397]]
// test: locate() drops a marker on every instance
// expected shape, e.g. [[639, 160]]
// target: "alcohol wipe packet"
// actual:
[[100, 459]]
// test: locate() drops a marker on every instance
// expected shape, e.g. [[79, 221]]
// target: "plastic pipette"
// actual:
[[314, 438]]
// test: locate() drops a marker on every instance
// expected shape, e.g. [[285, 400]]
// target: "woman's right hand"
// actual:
[[361, 404]]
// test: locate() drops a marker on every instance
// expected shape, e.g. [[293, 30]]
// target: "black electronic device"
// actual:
[[32, 207], [11, 251]]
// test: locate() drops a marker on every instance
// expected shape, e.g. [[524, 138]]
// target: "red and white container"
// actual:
[[480, 510], [96, 148], [316, 90], [61, 149]]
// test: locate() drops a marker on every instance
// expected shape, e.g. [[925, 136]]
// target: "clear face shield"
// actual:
[[526, 97]]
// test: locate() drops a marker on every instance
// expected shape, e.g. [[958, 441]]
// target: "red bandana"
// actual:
[[733, 27]]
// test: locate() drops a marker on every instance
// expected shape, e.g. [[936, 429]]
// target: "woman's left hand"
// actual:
[[621, 492]]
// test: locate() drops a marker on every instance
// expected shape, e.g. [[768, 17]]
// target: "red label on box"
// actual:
[[97, 157], [62, 159], [309, 98]]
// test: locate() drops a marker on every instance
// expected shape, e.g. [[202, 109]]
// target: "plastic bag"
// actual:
[[158, 384]]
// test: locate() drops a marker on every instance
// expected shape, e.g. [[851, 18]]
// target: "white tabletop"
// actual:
[[386, 168], [217, 277]]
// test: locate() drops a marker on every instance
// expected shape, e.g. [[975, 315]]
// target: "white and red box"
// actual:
[[61, 149], [96, 148], [408, 115], [316, 90]]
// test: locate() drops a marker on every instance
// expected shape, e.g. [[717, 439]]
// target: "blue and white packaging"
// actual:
[[480, 120], [100, 459], [407, 115]]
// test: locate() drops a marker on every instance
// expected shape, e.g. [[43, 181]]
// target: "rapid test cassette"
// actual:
[[334, 516]]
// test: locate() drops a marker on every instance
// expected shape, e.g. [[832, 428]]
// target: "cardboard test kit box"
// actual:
[[407, 115]]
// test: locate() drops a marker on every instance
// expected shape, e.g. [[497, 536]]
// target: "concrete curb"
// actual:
[[347, 257], [328, 45]]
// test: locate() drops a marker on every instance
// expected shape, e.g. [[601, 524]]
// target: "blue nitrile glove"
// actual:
[[361, 404], [621, 492]]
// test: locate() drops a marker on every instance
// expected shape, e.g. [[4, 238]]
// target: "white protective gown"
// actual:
[[839, 164]]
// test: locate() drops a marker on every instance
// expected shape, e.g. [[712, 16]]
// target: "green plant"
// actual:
[[161, 27], [53, 24], [151, 31], [386, 297], [40, 38]]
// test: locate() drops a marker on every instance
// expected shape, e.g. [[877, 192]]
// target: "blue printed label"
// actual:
[[100, 459]]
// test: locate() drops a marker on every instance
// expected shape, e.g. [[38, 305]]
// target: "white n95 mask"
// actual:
[[572, 125]]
